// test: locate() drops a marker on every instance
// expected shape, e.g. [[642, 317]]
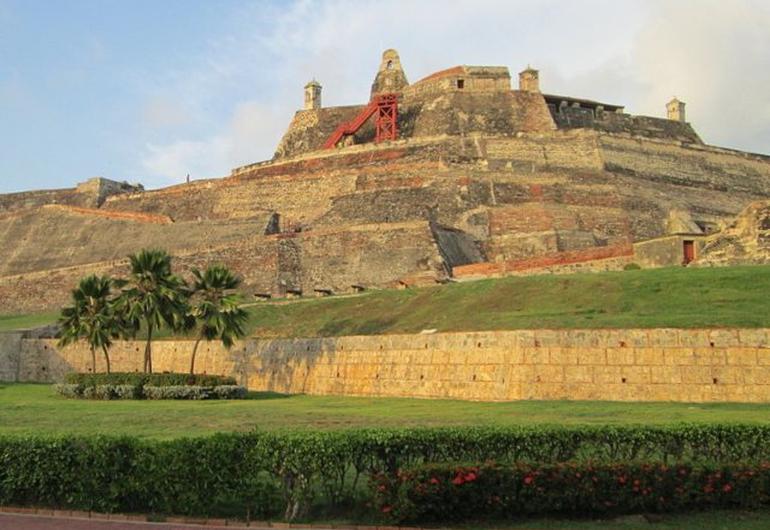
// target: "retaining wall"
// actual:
[[626, 365]]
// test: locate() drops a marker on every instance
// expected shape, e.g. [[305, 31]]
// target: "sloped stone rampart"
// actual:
[[697, 365]]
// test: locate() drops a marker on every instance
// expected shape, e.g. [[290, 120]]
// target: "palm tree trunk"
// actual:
[[192, 361], [106, 358], [93, 360], [148, 350]]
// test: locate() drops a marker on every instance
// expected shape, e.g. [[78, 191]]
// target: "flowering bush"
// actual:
[[442, 492]]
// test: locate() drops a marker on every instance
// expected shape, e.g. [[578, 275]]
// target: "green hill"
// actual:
[[675, 297]]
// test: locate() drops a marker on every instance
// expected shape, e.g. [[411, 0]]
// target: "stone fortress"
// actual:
[[453, 177]]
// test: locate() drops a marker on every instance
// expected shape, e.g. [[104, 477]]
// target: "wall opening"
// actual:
[[688, 248], [461, 84]]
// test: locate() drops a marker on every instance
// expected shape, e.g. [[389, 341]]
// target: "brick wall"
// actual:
[[697, 365]]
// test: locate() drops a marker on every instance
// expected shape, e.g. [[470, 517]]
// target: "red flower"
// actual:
[[386, 509], [622, 479], [458, 480], [381, 487], [433, 480], [528, 479], [470, 477], [727, 488]]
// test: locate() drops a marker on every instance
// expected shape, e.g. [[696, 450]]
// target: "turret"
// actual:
[[529, 80], [675, 110], [313, 95], [390, 76]]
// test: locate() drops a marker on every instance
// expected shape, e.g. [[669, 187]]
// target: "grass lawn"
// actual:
[[675, 297], [35, 409], [13, 322]]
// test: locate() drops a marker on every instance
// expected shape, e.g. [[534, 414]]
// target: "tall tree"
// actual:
[[153, 297], [216, 307], [91, 317]]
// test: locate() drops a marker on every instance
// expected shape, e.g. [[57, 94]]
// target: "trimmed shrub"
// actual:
[[141, 379], [229, 392], [127, 392], [177, 392], [288, 472], [69, 390], [151, 386], [632, 267], [449, 492]]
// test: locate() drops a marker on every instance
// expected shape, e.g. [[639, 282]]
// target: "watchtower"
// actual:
[[313, 95], [675, 110], [529, 80]]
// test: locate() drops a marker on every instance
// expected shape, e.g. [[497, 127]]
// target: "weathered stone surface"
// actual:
[[744, 241], [620, 365]]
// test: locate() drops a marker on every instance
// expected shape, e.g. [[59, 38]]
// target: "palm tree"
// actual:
[[91, 317], [216, 307], [154, 297]]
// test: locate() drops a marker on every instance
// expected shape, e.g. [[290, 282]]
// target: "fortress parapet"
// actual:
[[465, 100]]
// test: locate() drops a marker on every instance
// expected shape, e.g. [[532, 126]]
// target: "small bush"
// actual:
[[177, 392], [632, 267], [230, 392], [127, 392], [69, 390], [448, 492], [104, 392]]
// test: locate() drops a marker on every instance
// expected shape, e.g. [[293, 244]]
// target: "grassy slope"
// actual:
[[35, 409], [676, 297]]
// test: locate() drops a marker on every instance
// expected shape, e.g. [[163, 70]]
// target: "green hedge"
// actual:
[[289, 472], [111, 392], [142, 379], [448, 492]]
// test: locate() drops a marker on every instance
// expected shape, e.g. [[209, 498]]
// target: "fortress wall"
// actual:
[[11, 202], [336, 259], [701, 167], [567, 150], [10, 349], [620, 365], [371, 255], [549, 261], [55, 237]]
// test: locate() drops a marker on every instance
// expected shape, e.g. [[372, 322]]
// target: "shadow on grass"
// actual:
[[264, 395]]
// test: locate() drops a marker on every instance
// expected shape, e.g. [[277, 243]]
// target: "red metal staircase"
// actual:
[[386, 107]]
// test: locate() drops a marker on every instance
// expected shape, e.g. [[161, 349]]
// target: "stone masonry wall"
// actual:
[[698, 365], [10, 348]]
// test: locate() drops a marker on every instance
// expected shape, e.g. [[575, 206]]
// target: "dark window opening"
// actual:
[[461, 84]]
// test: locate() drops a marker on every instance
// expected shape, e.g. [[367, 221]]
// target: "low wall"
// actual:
[[10, 347], [626, 365]]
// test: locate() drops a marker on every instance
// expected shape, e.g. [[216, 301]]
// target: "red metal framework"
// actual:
[[387, 117], [386, 124]]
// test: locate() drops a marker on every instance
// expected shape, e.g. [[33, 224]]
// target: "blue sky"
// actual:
[[148, 91]]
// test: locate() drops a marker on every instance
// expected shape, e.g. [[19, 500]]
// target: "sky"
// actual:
[[152, 90]]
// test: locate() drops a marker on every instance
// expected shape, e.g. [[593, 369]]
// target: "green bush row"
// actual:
[[142, 379], [325, 468], [109, 392], [449, 492]]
